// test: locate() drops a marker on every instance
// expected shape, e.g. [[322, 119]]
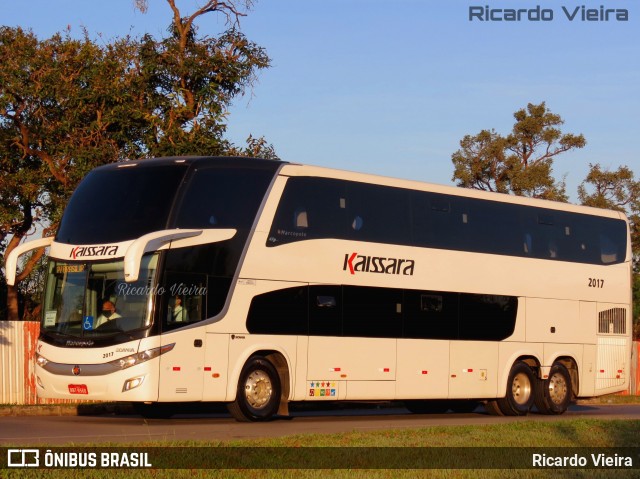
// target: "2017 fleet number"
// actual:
[[596, 283]]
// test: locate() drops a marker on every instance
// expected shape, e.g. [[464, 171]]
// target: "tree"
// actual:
[[256, 148], [63, 110], [520, 163], [191, 81], [68, 105]]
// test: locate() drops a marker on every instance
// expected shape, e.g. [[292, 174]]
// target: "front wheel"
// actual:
[[258, 394], [553, 395]]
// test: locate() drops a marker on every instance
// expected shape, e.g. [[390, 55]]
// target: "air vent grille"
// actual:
[[613, 321]]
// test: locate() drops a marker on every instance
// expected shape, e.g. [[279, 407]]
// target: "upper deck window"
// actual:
[[119, 204], [314, 208], [351, 210], [218, 197]]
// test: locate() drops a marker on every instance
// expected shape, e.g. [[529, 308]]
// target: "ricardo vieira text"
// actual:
[[577, 13]]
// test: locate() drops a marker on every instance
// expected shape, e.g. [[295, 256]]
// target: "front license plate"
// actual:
[[78, 389]]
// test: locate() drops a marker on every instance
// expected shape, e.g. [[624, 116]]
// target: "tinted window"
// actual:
[[279, 312], [487, 317], [325, 310], [490, 227], [372, 312], [430, 314], [377, 214], [310, 208], [118, 204], [356, 311], [184, 299], [313, 208], [223, 198], [214, 266], [435, 223]]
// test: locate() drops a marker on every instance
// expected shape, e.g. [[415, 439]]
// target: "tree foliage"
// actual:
[[519, 163], [68, 105], [191, 82]]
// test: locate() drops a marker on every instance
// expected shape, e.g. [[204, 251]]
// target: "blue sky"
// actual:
[[390, 87]]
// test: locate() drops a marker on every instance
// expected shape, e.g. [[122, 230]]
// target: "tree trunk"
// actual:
[[12, 303]]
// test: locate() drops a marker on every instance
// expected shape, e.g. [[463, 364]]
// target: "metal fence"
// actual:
[[18, 341], [17, 378]]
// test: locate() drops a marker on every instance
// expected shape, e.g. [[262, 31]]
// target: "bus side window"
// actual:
[[371, 312], [184, 299], [284, 311], [309, 209], [608, 250], [379, 214], [528, 247], [485, 317], [325, 310], [430, 314]]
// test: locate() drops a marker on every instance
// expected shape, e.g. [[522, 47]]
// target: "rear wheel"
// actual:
[[258, 394], [553, 395], [520, 386]]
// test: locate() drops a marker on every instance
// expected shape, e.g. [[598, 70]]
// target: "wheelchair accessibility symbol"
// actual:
[[87, 324]]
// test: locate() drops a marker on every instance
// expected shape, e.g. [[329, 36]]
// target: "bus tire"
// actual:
[[492, 408], [258, 394], [520, 391], [553, 395]]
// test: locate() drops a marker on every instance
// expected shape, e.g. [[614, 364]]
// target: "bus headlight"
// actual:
[[138, 358], [41, 360]]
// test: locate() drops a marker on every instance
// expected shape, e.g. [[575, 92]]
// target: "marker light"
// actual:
[[138, 358]]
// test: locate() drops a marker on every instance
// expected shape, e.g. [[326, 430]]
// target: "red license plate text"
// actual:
[[78, 389]]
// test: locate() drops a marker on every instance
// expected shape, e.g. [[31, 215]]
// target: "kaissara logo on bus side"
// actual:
[[377, 264], [80, 251]]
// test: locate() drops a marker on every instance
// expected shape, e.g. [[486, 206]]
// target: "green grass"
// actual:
[[615, 399], [589, 433]]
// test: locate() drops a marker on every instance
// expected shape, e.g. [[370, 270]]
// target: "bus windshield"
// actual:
[[92, 300]]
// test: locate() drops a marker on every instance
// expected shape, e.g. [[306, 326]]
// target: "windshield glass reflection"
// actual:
[[93, 300]]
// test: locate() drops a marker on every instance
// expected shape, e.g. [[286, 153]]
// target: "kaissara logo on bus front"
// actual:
[[377, 264], [80, 251]]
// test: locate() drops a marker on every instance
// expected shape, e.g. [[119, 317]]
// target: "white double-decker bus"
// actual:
[[257, 283]]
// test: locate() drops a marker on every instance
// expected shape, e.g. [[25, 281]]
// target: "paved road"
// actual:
[[62, 430]]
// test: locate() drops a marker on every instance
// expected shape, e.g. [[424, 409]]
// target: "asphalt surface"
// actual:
[[117, 424]]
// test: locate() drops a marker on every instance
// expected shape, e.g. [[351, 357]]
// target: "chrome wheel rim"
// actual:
[[521, 389], [258, 389], [557, 388]]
